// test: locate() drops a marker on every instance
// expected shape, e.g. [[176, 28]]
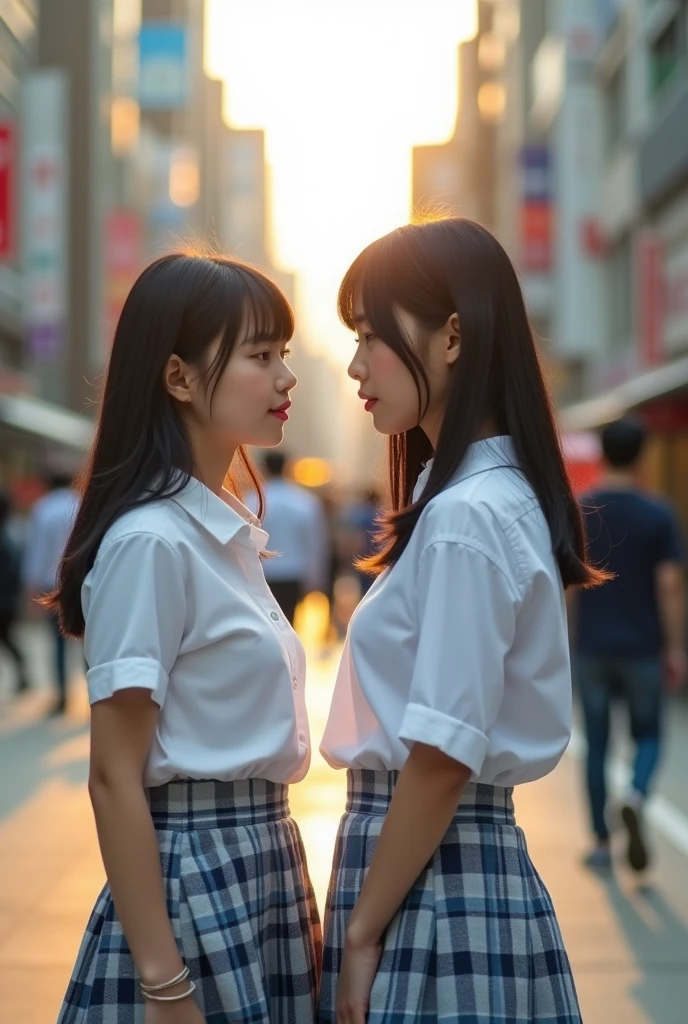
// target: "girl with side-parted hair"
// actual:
[[196, 679], [454, 685]]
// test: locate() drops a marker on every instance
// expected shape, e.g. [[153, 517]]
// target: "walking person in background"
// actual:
[[10, 593], [295, 520], [629, 635], [455, 682], [195, 678], [51, 520]]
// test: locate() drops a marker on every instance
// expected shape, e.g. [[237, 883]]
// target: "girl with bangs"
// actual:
[[454, 685], [195, 678]]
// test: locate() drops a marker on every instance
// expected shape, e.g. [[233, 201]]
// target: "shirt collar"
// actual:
[[492, 453], [222, 516]]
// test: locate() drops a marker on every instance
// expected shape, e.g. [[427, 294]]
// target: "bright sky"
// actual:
[[344, 89]]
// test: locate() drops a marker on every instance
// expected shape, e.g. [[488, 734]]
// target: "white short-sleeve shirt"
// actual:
[[463, 643], [177, 603]]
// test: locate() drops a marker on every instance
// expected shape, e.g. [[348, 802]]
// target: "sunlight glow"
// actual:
[[344, 90]]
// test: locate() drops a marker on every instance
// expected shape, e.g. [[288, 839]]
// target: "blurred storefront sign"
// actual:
[[8, 195], [676, 297], [536, 209], [44, 191], [122, 261], [163, 66], [649, 291]]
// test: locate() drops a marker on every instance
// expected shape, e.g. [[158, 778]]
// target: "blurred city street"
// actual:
[[628, 940]]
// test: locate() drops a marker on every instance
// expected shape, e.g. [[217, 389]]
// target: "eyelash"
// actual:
[[259, 355]]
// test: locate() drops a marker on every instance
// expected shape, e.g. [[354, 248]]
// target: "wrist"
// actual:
[[161, 972], [359, 933]]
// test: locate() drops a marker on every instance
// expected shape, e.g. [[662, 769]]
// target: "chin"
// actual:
[[388, 428]]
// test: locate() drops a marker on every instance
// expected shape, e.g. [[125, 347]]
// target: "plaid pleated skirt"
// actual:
[[475, 942], [241, 905]]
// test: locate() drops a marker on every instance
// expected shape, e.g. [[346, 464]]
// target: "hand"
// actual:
[[184, 1011], [359, 967], [675, 664]]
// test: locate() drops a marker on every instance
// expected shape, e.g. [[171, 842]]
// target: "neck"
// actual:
[[211, 465], [488, 428], [619, 479]]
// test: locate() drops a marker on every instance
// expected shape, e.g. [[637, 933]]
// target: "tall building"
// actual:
[[459, 176]]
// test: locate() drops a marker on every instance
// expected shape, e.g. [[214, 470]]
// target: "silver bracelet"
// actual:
[[182, 976], [169, 999]]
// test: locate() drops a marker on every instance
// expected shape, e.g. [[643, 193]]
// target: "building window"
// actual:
[[669, 50]]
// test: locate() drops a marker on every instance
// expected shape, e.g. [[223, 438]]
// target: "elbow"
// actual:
[[105, 785]]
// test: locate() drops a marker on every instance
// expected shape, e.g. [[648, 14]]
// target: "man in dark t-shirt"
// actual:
[[629, 634]]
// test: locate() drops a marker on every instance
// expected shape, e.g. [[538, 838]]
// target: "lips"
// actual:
[[369, 401], [281, 412]]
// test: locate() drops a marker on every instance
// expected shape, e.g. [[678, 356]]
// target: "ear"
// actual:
[[177, 379], [452, 339]]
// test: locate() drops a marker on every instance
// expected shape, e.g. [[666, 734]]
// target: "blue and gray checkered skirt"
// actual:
[[241, 905], [475, 942]]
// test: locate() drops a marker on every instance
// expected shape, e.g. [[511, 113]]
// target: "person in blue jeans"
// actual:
[[629, 634]]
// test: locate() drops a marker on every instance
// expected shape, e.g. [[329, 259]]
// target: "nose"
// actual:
[[288, 379], [357, 370]]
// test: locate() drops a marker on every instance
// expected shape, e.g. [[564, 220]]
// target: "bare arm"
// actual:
[[425, 799], [122, 730]]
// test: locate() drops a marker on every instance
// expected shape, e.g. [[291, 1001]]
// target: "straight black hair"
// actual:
[[179, 305], [432, 271]]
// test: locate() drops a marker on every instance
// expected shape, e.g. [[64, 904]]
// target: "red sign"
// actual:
[[536, 236], [122, 263], [8, 198], [650, 296]]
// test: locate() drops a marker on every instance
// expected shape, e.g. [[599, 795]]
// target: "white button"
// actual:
[[274, 615]]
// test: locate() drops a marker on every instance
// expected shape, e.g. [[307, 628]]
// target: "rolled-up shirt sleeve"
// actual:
[[467, 611], [135, 617]]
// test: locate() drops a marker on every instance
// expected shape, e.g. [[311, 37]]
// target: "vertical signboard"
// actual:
[[8, 191], [122, 261], [163, 66], [536, 210], [44, 178], [649, 296]]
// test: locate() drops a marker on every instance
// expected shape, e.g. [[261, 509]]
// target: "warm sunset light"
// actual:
[[344, 90]]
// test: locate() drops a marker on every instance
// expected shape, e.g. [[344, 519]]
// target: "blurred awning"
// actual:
[[646, 387], [50, 422]]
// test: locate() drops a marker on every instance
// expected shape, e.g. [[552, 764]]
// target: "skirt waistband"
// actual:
[[369, 792], [189, 804]]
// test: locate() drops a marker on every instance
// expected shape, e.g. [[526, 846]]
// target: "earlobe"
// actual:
[[176, 379]]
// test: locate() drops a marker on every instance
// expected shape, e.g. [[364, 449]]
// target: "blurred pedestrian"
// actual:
[[51, 520], [295, 522], [195, 679], [10, 593], [629, 635], [361, 526], [455, 683]]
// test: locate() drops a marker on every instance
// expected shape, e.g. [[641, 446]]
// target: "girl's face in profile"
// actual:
[[250, 402], [387, 386]]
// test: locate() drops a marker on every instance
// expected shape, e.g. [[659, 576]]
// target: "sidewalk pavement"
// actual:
[[628, 940]]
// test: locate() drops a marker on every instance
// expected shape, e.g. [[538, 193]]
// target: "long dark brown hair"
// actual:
[[180, 304], [434, 270]]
